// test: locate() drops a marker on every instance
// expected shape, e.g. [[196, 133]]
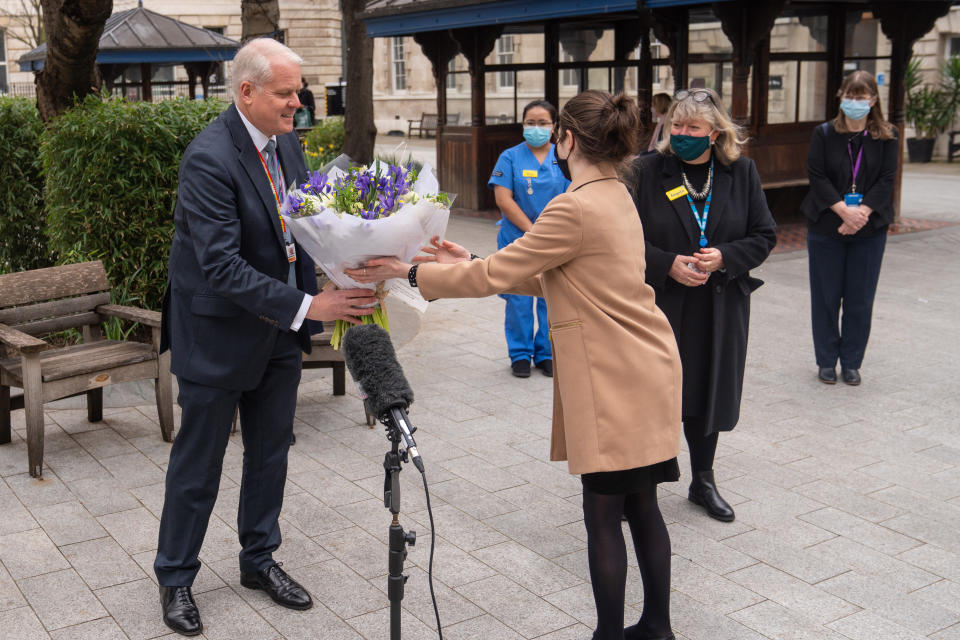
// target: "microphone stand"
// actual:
[[399, 539]]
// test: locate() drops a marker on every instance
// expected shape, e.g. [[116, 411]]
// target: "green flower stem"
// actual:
[[378, 317]]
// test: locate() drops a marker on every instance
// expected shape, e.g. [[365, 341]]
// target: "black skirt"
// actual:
[[631, 480]]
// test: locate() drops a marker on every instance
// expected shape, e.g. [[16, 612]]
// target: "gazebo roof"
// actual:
[[404, 17], [139, 35]]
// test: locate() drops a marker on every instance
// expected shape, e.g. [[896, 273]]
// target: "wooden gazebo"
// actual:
[[144, 39], [466, 153]]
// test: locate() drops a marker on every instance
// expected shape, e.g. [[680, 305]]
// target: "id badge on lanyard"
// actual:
[[853, 199]]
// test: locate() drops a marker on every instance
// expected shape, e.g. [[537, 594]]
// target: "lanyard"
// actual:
[[855, 167], [702, 220], [273, 187]]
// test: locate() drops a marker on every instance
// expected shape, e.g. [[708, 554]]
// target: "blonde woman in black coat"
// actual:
[[705, 224]]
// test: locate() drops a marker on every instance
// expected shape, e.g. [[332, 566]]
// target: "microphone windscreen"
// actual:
[[369, 355]]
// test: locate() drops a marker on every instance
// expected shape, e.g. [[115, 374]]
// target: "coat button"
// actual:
[[718, 288]]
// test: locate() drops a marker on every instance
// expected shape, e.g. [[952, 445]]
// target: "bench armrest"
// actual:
[[20, 341], [134, 314]]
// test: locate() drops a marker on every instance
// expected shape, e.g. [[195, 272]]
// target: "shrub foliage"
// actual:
[[324, 142], [23, 244], [111, 186]]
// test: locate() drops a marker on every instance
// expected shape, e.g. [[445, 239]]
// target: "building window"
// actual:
[[505, 56], [954, 48], [569, 77], [4, 87], [399, 65]]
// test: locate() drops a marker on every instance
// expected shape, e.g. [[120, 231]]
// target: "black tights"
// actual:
[[702, 448], [607, 555]]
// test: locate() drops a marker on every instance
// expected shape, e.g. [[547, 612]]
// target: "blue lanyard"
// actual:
[[702, 220]]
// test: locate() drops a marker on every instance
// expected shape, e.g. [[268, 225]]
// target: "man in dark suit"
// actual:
[[239, 297]]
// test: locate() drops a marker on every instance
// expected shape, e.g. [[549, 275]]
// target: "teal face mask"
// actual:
[[689, 148], [855, 109], [536, 136]]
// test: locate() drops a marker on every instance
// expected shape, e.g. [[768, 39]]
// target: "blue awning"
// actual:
[[406, 22]]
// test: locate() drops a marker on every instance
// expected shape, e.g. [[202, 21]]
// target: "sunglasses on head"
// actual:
[[698, 95]]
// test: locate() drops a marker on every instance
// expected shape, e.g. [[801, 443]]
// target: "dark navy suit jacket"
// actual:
[[227, 299]]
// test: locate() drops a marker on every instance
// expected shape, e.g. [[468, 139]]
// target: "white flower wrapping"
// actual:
[[338, 241]]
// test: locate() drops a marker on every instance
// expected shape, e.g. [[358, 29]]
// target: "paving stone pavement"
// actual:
[[847, 499]]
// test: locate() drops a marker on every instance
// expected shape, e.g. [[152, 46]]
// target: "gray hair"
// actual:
[[252, 62]]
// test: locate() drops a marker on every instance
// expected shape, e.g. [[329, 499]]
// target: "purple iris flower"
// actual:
[[363, 184], [292, 204], [317, 183]]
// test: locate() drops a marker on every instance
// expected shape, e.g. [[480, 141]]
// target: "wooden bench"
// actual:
[[953, 148], [428, 122], [77, 296], [323, 356]]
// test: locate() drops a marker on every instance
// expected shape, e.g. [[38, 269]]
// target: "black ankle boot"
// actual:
[[703, 491]]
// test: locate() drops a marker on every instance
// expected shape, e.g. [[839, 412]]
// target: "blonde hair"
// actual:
[[861, 83], [732, 138], [253, 62]]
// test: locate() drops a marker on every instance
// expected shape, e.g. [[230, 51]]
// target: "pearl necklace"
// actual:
[[698, 195]]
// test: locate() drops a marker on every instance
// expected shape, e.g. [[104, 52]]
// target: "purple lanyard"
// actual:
[[855, 167]]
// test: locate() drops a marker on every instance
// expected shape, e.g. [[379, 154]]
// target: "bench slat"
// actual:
[[40, 285], [51, 325], [65, 306]]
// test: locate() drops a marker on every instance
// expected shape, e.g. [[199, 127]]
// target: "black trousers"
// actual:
[[843, 275], [196, 460]]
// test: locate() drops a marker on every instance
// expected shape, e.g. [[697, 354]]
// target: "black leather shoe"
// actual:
[[828, 375], [703, 491], [546, 367], [281, 588], [634, 632], [180, 612], [521, 368], [850, 376]]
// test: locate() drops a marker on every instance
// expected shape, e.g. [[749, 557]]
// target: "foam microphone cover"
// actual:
[[369, 355]]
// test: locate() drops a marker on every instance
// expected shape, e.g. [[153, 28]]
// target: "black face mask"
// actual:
[[562, 163]]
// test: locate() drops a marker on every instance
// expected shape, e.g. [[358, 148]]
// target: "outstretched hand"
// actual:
[[378, 270], [444, 252]]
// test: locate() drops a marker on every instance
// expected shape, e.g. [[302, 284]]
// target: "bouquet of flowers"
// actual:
[[344, 217]]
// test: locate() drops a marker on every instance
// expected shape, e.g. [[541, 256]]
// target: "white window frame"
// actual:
[[505, 44], [398, 64], [568, 77]]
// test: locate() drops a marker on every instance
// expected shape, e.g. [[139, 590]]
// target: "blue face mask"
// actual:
[[855, 109], [689, 148], [536, 136]]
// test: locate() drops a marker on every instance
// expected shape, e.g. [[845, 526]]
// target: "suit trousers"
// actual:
[[196, 461], [843, 276]]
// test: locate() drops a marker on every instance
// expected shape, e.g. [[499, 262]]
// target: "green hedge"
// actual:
[[324, 142], [23, 245], [111, 186]]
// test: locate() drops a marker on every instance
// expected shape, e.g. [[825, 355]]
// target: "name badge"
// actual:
[[852, 199], [291, 253], [678, 192], [529, 173]]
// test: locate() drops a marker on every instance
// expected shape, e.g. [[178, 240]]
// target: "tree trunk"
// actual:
[[260, 18], [360, 132], [73, 29]]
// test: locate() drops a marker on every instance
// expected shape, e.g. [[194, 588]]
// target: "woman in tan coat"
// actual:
[[617, 384]]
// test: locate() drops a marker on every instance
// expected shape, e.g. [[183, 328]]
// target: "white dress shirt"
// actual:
[[260, 141]]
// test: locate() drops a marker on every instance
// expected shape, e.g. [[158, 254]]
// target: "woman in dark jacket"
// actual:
[[852, 164], [705, 224]]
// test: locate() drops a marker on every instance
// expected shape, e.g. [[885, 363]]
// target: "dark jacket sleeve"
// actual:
[[879, 196], [822, 194], [739, 256]]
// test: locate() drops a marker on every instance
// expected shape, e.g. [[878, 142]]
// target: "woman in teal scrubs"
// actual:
[[524, 180]]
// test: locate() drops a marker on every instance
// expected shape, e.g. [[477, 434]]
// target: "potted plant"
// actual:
[[929, 109]]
